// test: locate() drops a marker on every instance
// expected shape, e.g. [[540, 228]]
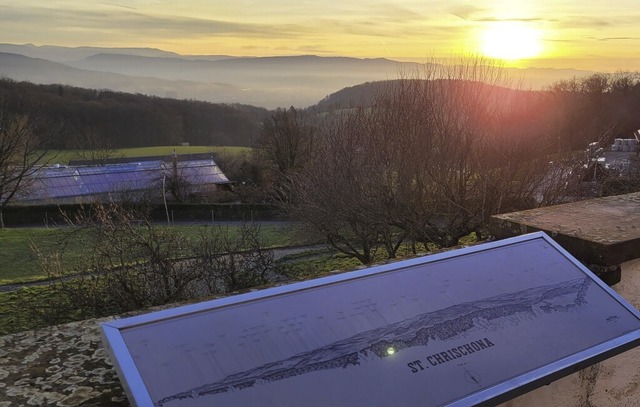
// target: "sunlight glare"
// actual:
[[511, 40]]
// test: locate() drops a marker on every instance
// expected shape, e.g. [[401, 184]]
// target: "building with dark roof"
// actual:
[[124, 179]]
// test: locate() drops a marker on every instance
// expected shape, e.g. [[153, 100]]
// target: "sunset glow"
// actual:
[[584, 34], [511, 41]]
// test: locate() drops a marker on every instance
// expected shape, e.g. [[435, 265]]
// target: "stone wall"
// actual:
[[64, 365]]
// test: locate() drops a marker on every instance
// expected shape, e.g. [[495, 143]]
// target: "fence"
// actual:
[[51, 215]]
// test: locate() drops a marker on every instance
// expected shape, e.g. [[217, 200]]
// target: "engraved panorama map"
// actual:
[[412, 333]]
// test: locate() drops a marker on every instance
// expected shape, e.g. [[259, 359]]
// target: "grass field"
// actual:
[[64, 156], [13, 317], [19, 263], [168, 150]]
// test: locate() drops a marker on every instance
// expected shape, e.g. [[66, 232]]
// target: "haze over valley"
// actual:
[[270, 82]]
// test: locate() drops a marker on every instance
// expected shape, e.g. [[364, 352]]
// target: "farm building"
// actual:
[[154, 178]]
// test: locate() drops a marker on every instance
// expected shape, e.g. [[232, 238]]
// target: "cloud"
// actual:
[[520, 20], [306, 49], [126, 23], [581, 22], [617, 24], [567, 41], [384, 25], [107, 24], [465, 11], [391, 13], [617, 38], [119, 5]]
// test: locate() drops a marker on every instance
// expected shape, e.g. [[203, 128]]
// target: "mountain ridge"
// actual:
[[272, 81]]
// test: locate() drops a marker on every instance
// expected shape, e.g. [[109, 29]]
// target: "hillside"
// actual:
[[76, 117]]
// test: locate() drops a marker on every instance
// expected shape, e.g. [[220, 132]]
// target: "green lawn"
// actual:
[[19, 263], [168, 150], [309, 265], [64, 156], [13, 316]]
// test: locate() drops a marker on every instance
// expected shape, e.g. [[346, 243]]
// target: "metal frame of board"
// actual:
[[125, 362]]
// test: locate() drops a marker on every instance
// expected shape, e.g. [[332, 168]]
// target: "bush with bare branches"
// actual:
[[129, 264], [429, 161]]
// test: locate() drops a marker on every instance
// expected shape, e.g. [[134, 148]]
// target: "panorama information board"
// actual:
[[478, 325]]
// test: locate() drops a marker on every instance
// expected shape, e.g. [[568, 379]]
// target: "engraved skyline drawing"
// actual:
[[442, 325]]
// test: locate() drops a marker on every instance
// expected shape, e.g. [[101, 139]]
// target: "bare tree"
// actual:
[[175, 180], [22, 150], [626, 181], [246, 170], [333, 195], [96, 149], [129, 264], [594, 108], [233, 261], [429, 161], [285, 143], [179, 179]]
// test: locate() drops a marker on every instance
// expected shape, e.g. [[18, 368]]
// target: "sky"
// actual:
[[581, 34]]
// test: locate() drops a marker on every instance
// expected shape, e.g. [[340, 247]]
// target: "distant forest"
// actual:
[[573, 112], [570, 113], [83, 118]]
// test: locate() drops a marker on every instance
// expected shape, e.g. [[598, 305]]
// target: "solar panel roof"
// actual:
[[60, 182]]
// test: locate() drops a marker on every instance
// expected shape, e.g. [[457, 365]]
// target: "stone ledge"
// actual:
[[64, 366], [602, 231]]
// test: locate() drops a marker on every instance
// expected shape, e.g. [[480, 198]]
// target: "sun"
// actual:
[[511, 40]]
